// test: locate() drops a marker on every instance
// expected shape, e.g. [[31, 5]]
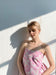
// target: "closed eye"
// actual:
[[33, 30]]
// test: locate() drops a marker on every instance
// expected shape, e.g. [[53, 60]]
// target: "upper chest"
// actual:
[[32, 46]]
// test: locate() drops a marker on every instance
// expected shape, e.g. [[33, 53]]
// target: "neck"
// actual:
[[36, 40]]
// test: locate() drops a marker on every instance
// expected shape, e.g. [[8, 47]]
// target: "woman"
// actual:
[[31, 53]]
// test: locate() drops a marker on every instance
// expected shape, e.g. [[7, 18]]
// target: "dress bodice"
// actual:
[[33, 62]]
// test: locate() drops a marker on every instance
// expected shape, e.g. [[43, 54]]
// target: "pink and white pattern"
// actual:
[[33, 64]]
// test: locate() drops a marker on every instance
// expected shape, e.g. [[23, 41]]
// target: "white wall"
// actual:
[[11, 38]]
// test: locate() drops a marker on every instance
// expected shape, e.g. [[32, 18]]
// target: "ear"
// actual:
[[39, 31]]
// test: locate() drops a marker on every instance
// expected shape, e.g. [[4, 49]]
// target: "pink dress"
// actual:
[[33, 62]]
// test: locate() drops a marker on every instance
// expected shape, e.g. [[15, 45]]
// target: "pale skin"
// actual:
[[35, 42]]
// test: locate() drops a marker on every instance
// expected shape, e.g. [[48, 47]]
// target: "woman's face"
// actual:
[[33, 31]]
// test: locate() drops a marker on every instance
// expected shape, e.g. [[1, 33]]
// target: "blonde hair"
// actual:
[[34, 23]]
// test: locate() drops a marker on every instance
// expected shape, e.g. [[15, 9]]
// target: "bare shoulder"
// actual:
[[46, 48], [22, 49], [44, 45], [25, 43]]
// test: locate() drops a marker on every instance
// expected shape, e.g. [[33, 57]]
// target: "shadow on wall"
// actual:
[[16, 40], [18, 37]]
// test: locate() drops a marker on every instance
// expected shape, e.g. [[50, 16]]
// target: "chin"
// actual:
[[33, 36]]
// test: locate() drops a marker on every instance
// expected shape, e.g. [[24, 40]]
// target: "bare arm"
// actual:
[[20, 58], [50, 60]]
